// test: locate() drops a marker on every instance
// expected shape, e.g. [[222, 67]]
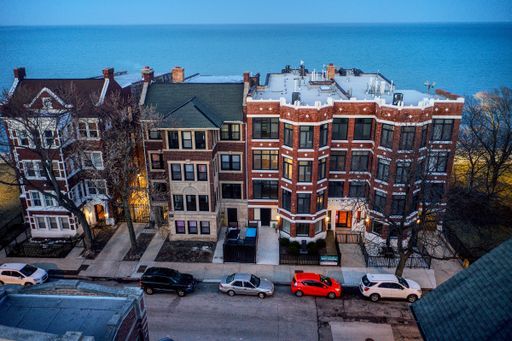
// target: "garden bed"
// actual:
[[43, 248], [186, 251], [143, 241], [290, 252]]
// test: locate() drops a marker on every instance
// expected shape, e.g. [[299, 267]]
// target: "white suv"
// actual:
[[376, 286], [22, 274]]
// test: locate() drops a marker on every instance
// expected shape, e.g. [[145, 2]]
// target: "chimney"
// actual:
[[331, 71], [247, 77], [108, 72], [147, 74], [178, 74], [19, 73]]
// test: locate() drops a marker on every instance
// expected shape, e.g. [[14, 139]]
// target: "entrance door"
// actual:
[[99, 210], [344, 219], [232, 217], [265, 216]]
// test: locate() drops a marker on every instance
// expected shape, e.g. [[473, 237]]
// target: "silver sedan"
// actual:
[[246, 284]]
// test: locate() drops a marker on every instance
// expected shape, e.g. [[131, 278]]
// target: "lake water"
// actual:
[[462, 58]]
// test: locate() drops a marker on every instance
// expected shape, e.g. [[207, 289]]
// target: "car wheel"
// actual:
[[374, 297], [331, 295], [148, 291], [412, 298], [231, 293], [28, 284], [261, 295], [181, 293], [299, 293]]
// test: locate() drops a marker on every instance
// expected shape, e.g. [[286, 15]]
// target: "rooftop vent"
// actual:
[[295, 97], [287, 69], [398, 98]]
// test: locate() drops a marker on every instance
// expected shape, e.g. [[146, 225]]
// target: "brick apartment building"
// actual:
[[46, 111]]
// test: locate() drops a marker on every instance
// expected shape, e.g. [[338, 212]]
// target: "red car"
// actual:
[[304, 283]]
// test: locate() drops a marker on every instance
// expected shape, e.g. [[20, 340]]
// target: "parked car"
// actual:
[[22, 274], [377, 286], [246, 284], [306, 283], [165, 279]]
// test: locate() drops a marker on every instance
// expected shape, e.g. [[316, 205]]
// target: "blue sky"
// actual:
[[126, 12]]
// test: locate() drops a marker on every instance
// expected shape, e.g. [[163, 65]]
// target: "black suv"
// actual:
[[166, 279]]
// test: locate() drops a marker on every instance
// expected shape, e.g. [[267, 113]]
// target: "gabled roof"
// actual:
[[196, 105], [475, 304]]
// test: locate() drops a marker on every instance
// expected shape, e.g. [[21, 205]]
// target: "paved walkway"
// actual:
[[268, 246]]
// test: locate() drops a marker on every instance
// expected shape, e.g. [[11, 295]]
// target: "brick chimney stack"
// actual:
[[108, 72], [147, 74], [331, 71], [247, 77], [178, 74], [20, 73]]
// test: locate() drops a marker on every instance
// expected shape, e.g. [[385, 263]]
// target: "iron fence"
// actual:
[[415, 261]]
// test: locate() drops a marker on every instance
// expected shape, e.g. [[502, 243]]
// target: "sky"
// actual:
[[144, 12]]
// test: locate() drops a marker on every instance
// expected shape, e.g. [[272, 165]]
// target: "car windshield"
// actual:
[[366, 281], [255, 281], [326, 280], [402, 281], [230, 278], [28, 270]]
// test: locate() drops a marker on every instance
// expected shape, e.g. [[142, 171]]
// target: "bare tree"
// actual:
[[471, 156], [39, 133], [489, 117]]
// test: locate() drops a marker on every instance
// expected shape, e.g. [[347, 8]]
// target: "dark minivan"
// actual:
[[165, 279]]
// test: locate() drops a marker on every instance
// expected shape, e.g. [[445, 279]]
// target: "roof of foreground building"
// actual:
[[475, 304]]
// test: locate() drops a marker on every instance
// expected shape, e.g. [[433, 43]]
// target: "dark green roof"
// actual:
[[475, 304], [196, 105]]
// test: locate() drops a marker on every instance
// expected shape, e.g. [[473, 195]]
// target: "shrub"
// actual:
[[284, 242], [312, 248], [320, 243], [293, 249], [295, 244]]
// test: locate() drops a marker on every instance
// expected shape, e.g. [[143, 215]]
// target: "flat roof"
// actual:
[[91, 315]]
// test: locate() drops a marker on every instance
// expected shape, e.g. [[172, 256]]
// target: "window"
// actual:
[[176, 171], [192, 227], [319, 227], [64, 223], [203, 203], [36, 199], [379, 201], [205, 227], [306, 137], [377, 227], [31, 169], [155, 134], [305, 171], [434, 192], [157, 161], [442, 130], [407, 138], [402, 170], [96, 187], [322, 168], [286, 226], [88, 130], [304, 203], [357, 189], [363, 129], [335, 189], [230, 162], [287, 168], [265, 189], [320, 200], [230, 131], [424, 130], [360, 161], [339, 128], [174, 140], [186, 139], [49, 201], [180, 226], [202, 173], [265, 159], [398, 204], [178, 202], [49, 139], [288, 135], [302, 229], [386, 137], [56, 169], [438, 162], [93, 160], [191, 203], [232, 191], [159, 188], [23, 139], [286, 200], [189, 172], [200, 139], [265, 128], [383, 170], [324, 130], [52, 223], [41, 222], [338, 159]]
